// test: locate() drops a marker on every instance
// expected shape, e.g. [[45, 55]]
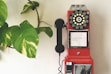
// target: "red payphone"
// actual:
[[78, 60]]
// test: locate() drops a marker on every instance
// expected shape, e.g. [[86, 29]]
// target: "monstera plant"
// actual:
[[24, 37]]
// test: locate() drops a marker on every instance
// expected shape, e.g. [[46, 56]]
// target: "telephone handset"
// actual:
[[59, 24]]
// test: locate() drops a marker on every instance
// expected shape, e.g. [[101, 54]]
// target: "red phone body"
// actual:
[[79, 56]]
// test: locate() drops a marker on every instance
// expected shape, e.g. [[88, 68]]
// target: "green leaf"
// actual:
[[2, 29], [30, 5], [8, 35], [27, 41], [15, 32], [47, 30], [3, 12], [5, 39], [24, 38]]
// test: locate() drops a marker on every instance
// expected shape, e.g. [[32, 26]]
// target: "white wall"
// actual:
[[46, 62]]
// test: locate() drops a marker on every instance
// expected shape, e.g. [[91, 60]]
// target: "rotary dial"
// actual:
[[79, 19]]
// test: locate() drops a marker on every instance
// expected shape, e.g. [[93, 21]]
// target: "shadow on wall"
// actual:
[[97, 25]]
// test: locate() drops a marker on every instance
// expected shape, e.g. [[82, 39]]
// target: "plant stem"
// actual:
[[45, 23], [38, 17]]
